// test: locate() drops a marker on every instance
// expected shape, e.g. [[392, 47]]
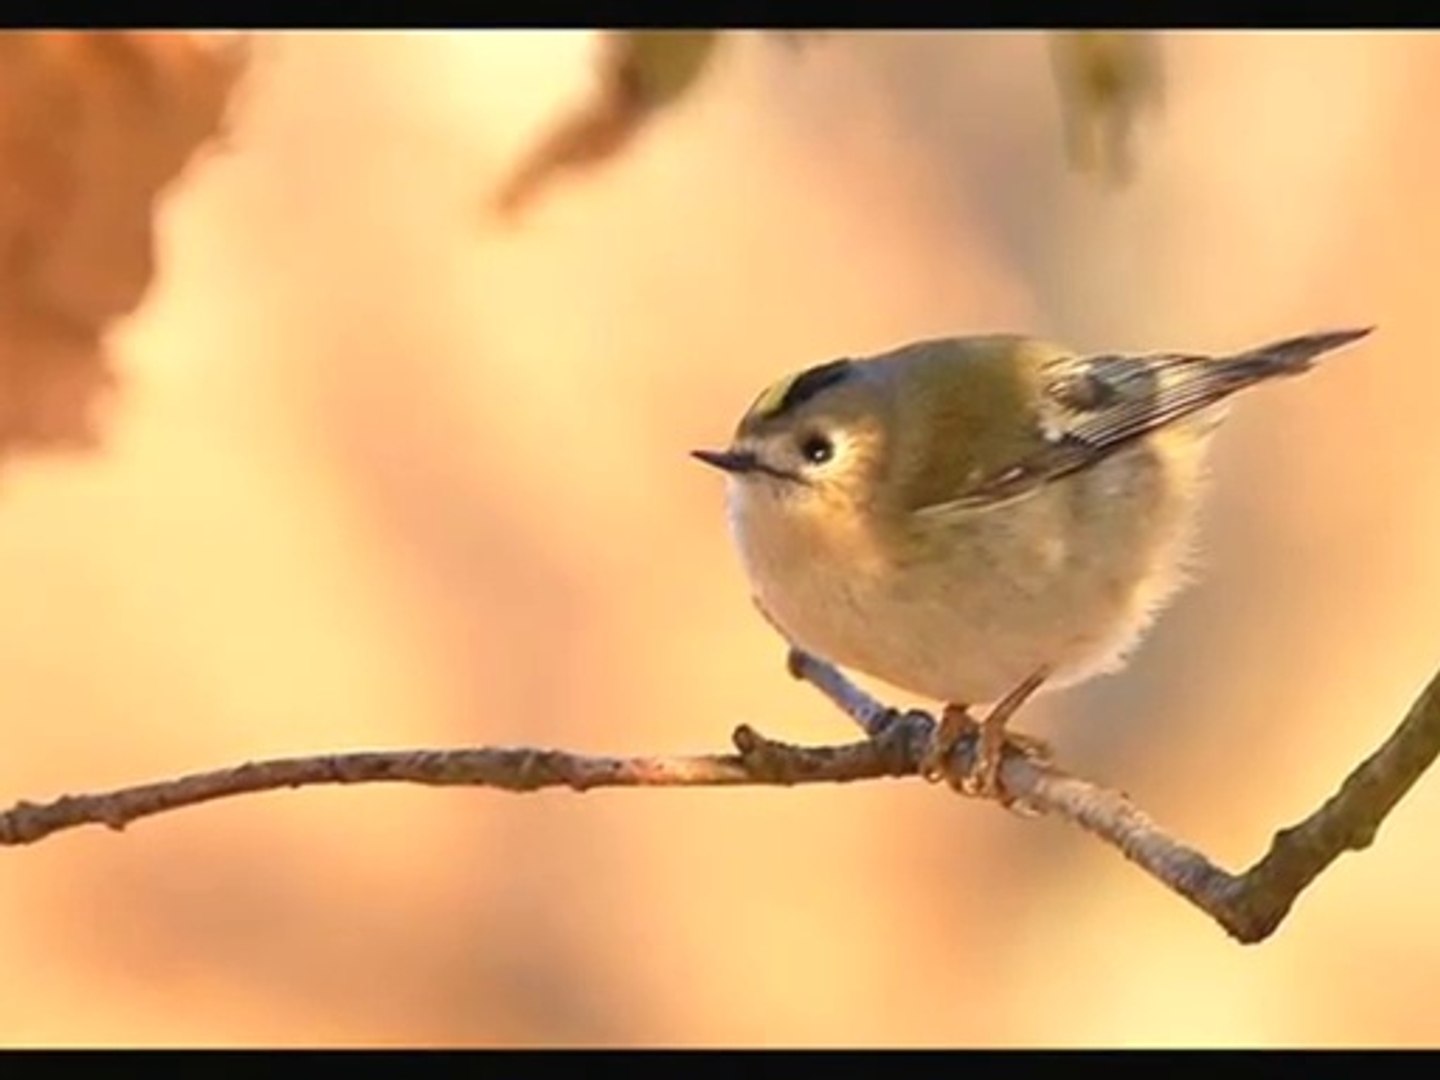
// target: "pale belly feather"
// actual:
[[1066, 579]]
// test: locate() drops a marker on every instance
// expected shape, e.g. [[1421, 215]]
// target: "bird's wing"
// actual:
[[1092, 406]]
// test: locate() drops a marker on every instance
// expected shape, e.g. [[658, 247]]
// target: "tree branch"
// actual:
[[1249, 905]]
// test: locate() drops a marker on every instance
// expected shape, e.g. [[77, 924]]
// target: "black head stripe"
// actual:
[[792, 393]]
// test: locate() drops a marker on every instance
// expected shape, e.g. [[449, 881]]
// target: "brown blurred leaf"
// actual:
[[640, 72], [93, 125], [1105, 79]]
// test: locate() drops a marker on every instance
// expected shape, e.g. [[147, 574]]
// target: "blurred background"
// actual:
[[388, 470]]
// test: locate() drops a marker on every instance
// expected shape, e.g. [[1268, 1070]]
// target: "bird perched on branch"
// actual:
[[974, 518]]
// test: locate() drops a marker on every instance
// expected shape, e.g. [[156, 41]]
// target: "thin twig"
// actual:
[[760, 761], [1249, 905]]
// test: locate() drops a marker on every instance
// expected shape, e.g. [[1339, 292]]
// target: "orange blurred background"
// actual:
[[386, 472]]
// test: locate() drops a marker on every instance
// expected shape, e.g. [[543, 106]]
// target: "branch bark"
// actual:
[[1248, 905]]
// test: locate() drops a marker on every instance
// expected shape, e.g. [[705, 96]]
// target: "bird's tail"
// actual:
[[1293, 355]]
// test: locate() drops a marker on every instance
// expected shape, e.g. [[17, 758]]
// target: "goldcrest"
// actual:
[[963, 516]]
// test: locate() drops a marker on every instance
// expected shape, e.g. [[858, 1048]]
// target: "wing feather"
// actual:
[[1093, 406]]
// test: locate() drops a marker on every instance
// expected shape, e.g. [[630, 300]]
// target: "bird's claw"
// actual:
[[981, 778], [955, 723]]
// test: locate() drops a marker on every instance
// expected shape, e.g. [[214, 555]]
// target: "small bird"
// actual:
[[974, 518]]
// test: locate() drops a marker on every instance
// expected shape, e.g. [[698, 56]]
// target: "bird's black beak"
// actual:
[[731, 461]]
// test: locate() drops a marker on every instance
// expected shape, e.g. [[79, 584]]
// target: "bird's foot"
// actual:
[[955, 723], [981, 779]]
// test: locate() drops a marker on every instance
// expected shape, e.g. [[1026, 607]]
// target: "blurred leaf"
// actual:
[[93, 125], [640, 73], [1105, 79]]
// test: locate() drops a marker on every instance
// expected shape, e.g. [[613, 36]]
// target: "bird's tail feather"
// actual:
[[1297, 354]]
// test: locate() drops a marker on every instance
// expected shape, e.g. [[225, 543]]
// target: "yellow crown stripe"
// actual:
[[772, 399]]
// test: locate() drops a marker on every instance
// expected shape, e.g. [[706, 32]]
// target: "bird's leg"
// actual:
[[955, 723], [983, 778]]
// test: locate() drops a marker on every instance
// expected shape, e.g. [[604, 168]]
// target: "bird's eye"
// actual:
[[817, 449]]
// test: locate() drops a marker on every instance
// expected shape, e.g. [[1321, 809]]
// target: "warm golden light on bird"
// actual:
[[970, 518]]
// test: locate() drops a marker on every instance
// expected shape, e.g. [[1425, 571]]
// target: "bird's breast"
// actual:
[[962, 608]]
